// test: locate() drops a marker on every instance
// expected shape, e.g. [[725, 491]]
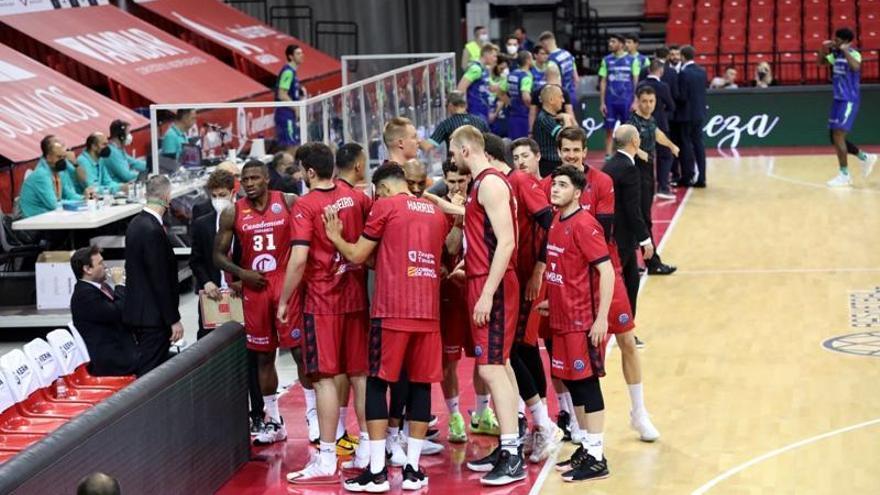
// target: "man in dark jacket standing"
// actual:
[[96, 310], [151, 306], [691, 109], [662, 112]]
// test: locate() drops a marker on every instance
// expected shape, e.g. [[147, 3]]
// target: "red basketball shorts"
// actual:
[[418, 353], [575, 358], [455, 327], [264, 332], [335, 344], [493, 341]]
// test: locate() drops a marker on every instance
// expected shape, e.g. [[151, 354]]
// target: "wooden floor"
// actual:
[[736, 377]]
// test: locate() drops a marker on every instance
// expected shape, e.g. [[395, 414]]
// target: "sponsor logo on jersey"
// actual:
[[421, 257], [555, 363], [276, 208], [420, 271], [263, 225], [623, 318], [579, 365], [478, 351], [554, 250], [264, 263], [554, 278]]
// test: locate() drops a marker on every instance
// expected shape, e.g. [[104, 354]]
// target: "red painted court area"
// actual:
[[265, 473]]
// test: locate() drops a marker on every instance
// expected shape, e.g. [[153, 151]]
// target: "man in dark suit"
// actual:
[[630, 230], [97, 315], [692, 112], [664, 108], [281, 174], [151, 305]]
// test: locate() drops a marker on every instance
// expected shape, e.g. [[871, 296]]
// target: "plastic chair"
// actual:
[[48, 371], [24, 384], [11, 422], [73, 355]]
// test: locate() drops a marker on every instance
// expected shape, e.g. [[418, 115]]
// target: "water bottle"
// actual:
[[60, 389]]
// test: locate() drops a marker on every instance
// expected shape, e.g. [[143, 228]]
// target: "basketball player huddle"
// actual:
[[502, 259]]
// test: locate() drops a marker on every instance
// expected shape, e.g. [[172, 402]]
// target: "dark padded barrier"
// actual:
[[182, 428]]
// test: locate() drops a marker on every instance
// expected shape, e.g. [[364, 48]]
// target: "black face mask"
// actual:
[[105, 152], [289, 171], [60, 165]]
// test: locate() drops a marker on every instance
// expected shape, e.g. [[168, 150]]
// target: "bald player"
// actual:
[[416, 177]]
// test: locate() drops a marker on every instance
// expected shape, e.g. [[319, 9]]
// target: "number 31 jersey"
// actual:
[[264, 235]]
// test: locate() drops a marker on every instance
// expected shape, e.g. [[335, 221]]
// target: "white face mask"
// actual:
[[505, 73], [512, 49], [128, 139], [220, 204], [484, 38]]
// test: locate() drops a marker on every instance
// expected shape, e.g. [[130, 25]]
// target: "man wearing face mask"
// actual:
[[151, 305], [49, 182], [121, 166], [90, 174], [471, 52]]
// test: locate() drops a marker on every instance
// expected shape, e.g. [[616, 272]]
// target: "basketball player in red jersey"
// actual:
[[493, 295], [334, 318], [408, 235], [598, 199], [261, 223], [533, 216], [578, 303]]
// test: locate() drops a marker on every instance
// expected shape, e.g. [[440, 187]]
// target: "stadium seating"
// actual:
[[48, 371], [785, 33], [11, 422], [24, 384], [73, 355]]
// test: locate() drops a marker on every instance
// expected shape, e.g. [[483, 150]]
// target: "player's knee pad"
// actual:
[[376, 405], [594, 402], [531, 357], [578, 392], [524, 380], [399, 394], [418, 406]]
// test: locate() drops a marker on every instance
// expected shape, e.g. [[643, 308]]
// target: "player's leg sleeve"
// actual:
[[418, 405], [376, 406], [399, 394]]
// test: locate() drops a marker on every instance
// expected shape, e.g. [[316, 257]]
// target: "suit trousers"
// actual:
[[664, 167], [629, 265], [646, 181], [676, 137], [693, 153], [153, 344]]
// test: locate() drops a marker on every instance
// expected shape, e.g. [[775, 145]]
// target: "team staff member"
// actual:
[[89, 174], [287, 88], [175, 135], [578, 315], [408, 235], [650, 136], [549, 76], [121, 166], [549, 122], [472, 48], [618, 77], [664, 107], [519, 89], [49, 182], [151, 306], [260, 222], [475, 82], [334, 312], [456, 107], [493, 295]]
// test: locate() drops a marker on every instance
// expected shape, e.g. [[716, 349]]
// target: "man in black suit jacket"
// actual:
[[665, 106], [692, 113], [630, 230], [151, 306], [97, 315]]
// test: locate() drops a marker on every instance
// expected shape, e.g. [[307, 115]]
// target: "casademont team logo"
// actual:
[[264, 263]]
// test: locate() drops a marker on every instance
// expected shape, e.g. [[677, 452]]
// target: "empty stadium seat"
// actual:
[[871, 64], [656, 8], [870, 38], [681, 5], [11, 422], [18, 441], [789, 68], [73, 356], [49, 370], [23, 382], [678, 32], [706, 31], [733, 43]]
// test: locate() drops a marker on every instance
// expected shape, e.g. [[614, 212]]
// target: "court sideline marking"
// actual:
[[773, 453], [758, 271], [772, 174]]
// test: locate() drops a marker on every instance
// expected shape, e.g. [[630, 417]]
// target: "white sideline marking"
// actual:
[[545, 472], [773, 453], [772, 174], [757, 271]]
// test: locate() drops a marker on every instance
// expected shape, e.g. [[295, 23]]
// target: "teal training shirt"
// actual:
[[173, 141], [97, 175], [120, 166], [38, 190]]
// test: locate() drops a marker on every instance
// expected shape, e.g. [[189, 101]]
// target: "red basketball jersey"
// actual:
[[479, 237], [598, 195], [264, 235], [530, 202], [574, 245], [411, 233], [333, 285]]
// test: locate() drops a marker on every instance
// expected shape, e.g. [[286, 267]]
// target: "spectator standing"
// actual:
[[691, 108], [121, 166], [618, 77], [287, 88], [49, 183], [96, 311], [564, 61], [175, 136], [151, 306], [475, 82], [471, 52], [662, 110], [650, 136], [524, 42]]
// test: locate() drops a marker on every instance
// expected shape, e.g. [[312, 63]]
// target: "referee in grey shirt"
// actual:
[[548, 123], [456, 107]]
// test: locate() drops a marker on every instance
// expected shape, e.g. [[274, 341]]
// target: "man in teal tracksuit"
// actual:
[[94, 174], [121, 166], [49, 182], [175, 135]]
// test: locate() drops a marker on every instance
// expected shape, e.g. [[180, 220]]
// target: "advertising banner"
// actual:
[[140, 57]]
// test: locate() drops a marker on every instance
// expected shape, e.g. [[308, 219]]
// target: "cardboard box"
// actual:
[[216, 313], [55, 280]]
